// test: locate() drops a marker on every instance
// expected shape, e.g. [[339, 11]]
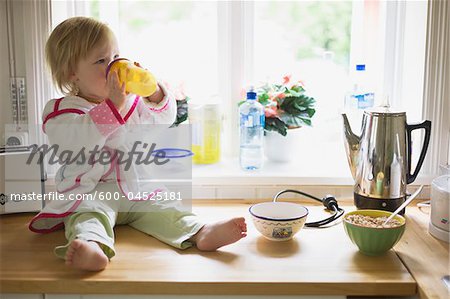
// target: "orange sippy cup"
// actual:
[[137, 80]]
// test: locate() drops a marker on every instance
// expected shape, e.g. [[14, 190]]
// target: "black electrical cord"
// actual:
[[328, 201]]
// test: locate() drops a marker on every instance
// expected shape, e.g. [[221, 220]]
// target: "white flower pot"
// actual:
[[279, 148]]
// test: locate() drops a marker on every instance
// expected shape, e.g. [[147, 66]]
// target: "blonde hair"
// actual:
[[70, 42]]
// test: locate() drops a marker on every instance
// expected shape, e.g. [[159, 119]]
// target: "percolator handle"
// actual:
[[409, 128]]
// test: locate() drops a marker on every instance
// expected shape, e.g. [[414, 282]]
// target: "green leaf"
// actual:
[[298, 105], [311, 112], [275, 124], [296, 120], [264, 99], [298, 88], [182, 112], [293, 93]]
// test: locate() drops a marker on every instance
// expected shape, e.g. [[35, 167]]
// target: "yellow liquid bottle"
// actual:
[[137, 80], [205, 121]]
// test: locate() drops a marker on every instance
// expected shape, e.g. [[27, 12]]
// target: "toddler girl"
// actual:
[[95, 112]]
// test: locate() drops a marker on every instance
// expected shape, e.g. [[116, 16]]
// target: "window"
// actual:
[[321, 42], [221, 47], [310, 40], [177, 41]]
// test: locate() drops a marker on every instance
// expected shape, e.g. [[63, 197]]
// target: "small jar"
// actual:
[[206, 122], [137, 80]]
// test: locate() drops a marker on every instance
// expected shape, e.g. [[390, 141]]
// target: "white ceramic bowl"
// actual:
[[278, 221]]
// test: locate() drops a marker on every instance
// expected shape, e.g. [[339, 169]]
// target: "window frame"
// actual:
[[235, 47]]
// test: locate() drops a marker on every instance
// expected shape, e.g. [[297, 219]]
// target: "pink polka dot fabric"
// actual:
[[106, 117]]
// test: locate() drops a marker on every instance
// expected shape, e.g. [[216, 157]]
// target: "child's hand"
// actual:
[[117, 93], [157, 96]]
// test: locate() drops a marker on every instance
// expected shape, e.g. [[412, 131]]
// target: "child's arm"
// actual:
[[159, 108], [73, 124], [157, 96]]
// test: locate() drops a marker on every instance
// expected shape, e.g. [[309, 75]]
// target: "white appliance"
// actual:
[[439, 225], [22, 184]]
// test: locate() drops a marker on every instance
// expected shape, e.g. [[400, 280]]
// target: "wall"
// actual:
[[18, 68], [5, 115]]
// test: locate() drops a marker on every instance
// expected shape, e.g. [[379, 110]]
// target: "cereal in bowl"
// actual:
[[374, 222]]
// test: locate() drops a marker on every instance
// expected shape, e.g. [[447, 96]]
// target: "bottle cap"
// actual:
[[251, 95], [360, 67]]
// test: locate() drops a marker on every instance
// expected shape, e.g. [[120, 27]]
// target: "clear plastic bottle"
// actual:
[[359, 97], [251, 132]]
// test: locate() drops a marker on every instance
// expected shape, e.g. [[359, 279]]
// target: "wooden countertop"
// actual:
[[426, 257], [315, 262]]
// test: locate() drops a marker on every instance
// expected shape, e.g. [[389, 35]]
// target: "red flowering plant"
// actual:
[[286, 105]]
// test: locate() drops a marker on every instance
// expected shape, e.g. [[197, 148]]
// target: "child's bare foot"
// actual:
[[215, 235], [86, 255]]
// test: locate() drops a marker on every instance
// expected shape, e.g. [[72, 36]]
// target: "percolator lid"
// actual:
[[385, 110]]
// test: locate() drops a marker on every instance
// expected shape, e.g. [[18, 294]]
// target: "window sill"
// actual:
[[295, 172], [226, 180]]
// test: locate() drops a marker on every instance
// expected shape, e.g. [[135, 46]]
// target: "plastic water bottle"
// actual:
[[361, 96], [251, 131]]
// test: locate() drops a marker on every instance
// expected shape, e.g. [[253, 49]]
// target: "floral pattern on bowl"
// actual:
[[278, 221]]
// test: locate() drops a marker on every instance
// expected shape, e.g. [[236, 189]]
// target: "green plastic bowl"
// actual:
[[370, 240]]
